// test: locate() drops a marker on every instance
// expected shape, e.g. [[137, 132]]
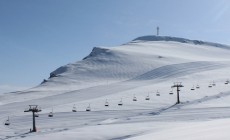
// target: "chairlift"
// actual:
[[226, 82], [210, 85], [7, 122], [147, 97], [213, 84], [134, 98], [158, 93], [51, 113], [88, 108], [197, 86], [171, 92], [192, 88], [74, 108], [106, 103], [120, 102]]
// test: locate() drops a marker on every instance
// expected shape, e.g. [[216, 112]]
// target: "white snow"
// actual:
[[141, 67]]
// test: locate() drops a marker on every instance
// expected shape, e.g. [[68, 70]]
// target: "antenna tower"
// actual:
[[158, 30]]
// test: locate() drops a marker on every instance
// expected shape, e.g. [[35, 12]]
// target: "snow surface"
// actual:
[[139, 68]]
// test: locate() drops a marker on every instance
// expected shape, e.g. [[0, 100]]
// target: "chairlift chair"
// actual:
[[134, 98], [158, 93], [88, 108], [197, 86], [51, 113], [120, 103], [74, 108], [213, 84], [171, 92], [106, 103], [193, 88], [7, 122], [226, 82], [210, 85], [147, 97]]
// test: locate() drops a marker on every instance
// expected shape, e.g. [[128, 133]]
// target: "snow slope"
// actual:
[[139, 68]]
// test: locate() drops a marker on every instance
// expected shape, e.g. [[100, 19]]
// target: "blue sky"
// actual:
[[38, 36]]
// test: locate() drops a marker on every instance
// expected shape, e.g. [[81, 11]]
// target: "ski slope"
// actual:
[[139, 68]]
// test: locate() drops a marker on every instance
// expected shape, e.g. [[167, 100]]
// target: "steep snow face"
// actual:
[[144, 54], [137, 61]]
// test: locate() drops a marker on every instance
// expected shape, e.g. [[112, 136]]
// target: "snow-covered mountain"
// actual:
[[146, 66], [136, 58]]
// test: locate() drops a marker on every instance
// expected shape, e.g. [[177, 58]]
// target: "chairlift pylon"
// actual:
[[34, 109]]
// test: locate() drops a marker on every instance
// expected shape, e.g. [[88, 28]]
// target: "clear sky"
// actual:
[[38, 36]]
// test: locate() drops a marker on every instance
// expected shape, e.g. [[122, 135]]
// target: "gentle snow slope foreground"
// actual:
[[142, 68]]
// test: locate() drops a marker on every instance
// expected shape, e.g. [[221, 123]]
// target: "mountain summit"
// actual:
[[144, 55], [178, 39]]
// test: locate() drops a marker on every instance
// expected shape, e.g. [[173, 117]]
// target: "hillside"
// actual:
[[146, 66], [122, 63]]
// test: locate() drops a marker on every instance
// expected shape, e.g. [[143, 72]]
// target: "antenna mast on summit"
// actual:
[[158, 29]]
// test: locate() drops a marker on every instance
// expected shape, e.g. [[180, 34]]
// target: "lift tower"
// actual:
[[178, 85], [34, 109]]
